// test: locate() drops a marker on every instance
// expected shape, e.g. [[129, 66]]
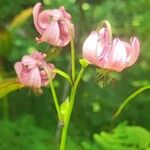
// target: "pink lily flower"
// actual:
[[114, 56], [33, 71], [95, 46], [53, 25]]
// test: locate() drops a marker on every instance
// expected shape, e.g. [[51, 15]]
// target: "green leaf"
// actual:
[[9, 85], [63, 74], [128, 99], [123, 137], [64, 109], [84, 63]]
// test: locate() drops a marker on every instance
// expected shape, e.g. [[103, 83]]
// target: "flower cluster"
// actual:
[[117, 55], [55, 27]]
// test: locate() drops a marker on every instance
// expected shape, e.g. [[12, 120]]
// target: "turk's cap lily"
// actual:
[[31, 70], [115, 56], [53, 25]]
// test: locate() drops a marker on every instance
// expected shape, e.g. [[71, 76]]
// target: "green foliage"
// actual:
[[8, 86], [23, 135], [122, 137]]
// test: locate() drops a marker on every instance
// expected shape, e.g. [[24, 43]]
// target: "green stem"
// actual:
[[128, 99], [72, 56], [63, 74], [55, 100], [72, 99]]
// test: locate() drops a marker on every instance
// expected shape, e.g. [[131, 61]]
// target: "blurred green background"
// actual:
[[29, 121]]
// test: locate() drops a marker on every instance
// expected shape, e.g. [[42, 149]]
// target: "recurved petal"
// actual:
[[103, 42], [89, 48], [64, 13], [65, 33], [117, 57], [22, 73], [51, 34], [38, 55], [45, 17], [28, 61], [104, 35], [36, 11], [18, 68], [34, 78], [134, 51]]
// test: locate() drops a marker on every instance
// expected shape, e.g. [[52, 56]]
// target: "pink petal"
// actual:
[[24, 76], [34, 78], [117, 56], [134, 51], [22, 72], [38, 55], [52, 34], [45, 17], [103, 42], [36, 11], [18, 68], [104, 35], [28, 61], [89, 48], [48, 74], [56, 14], [64, 13], [64, 33]]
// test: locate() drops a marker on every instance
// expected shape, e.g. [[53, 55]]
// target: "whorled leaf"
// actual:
[[64, 109]]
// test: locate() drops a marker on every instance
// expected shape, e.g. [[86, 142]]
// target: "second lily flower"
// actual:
[[116, 55]]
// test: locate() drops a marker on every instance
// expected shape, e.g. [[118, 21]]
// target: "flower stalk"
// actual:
[[55, 100], [72, 100]]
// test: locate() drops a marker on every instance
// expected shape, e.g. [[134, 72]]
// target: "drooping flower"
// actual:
[[115, 56], [33, 71], [95, 45], [53, 25]]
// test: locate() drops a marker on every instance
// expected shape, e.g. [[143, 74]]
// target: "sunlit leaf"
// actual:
[[64, 109], [9, 85], [20, 19]]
